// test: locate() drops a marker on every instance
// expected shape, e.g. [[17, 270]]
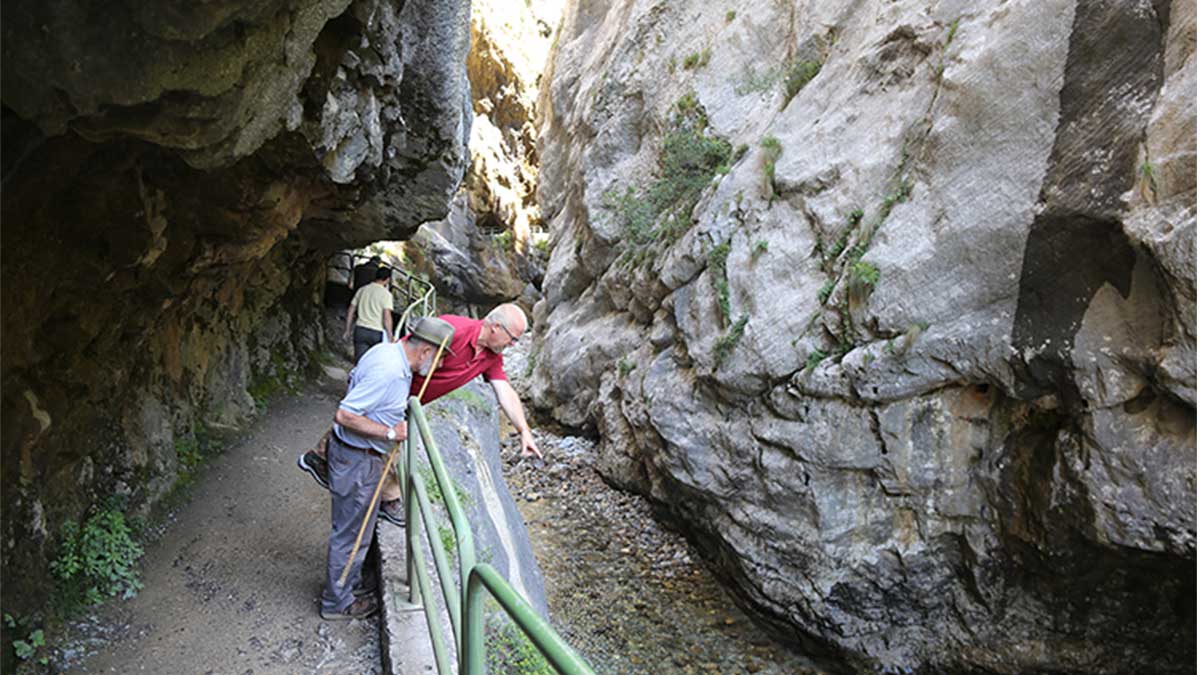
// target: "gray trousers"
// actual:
[[353, 475]]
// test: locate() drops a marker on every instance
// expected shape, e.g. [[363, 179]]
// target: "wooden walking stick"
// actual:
[[387, 467]]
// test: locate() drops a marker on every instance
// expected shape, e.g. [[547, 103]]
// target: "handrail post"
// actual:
[[471, 661], [410, 512]]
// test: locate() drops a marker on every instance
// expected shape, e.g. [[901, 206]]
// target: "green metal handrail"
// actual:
[[464, 601]]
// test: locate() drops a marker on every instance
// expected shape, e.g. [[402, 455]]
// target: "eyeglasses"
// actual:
[[506, 332]]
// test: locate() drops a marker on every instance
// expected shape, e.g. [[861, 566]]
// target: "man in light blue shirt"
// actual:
[[369, 421]]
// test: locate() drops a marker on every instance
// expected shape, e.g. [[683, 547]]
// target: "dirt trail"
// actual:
[[232, 586]]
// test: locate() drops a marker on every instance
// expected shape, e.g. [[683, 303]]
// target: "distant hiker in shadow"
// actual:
[[370, 314]]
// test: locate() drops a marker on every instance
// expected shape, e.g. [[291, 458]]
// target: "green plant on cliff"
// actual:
[[727, 342], [798, 74], [503, 240], [717, 259], [687, 161], [697, 59], [815, 357], [772, 149], [97, 560]]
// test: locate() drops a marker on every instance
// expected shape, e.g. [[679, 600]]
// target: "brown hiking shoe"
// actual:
[[361, 608]]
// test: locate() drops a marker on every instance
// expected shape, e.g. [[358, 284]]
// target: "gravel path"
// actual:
[[232, 585], [624, 591]]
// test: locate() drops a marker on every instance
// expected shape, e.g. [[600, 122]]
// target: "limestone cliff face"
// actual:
[[174, 176], [893, 305], [482, 253]]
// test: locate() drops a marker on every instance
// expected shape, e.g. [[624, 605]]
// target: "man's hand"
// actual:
[[528, 447], [401, 430]]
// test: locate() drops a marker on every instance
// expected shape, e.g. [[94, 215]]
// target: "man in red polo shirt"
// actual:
[[477, 347]]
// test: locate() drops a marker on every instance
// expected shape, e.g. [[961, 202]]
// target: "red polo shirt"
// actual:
[[468, 361]]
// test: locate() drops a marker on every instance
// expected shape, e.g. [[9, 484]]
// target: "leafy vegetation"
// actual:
[[727, 342], [760, 247], [503, 240], [697, 59], [625, 366], [730, 16], [826, 289], [772, 149], [953, 30], [509, 651], [96, 560], [798, 74], [687, 161], [434, 491], [815, 357], [28, 649], [717, 259]]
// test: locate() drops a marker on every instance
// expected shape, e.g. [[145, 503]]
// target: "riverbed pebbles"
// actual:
[[625, 591]]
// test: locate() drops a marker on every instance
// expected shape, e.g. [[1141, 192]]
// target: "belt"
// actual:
[[351, 445]]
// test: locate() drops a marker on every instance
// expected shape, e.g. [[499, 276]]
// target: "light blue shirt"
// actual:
[[379, 387]]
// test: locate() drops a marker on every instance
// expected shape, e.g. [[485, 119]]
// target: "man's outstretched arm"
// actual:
[[510, 402]]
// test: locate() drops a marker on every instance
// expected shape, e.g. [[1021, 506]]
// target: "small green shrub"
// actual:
[[434, 491], [688, 159], [697, 59], [730, 16], [740, 152], [797, 75], [727, 342], [717, 258], [503, 240], [760, 247], [826, 289], [814, 359], [625, 366], [97, 560], [688, 104], [542, 246], [772, 149], [953, 30], [187, 450], [866, 273]]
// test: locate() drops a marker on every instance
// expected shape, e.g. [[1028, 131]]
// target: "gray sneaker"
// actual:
[[315, 466]]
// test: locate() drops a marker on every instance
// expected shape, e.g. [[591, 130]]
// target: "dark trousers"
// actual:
[[364, 339]]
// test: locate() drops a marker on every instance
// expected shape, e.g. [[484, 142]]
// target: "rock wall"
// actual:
[[892, 306], [174, 176], [483, 252]]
